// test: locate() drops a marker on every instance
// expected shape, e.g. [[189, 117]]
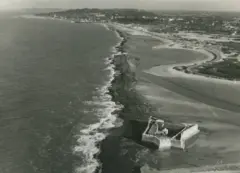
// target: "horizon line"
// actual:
[[146, 9]]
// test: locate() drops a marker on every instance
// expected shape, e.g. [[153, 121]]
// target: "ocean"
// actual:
[[75, 98], [54, 102]]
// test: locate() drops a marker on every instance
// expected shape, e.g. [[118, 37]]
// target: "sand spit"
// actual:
[[213, 54], [169, 71], [181, 97]]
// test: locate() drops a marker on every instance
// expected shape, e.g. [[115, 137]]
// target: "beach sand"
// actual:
[[213, 104], [148, 85]]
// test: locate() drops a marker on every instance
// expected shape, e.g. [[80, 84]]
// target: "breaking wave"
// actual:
[[90, 136]]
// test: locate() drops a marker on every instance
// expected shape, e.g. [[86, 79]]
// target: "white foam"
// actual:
[[94, 133], [105, 26]]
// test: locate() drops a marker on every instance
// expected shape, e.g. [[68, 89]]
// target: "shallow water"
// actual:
[[214, 106]]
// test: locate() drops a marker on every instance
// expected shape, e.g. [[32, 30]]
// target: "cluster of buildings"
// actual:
[[169, 23], [97, 15]]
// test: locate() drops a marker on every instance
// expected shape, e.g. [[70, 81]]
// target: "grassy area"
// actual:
[[228, 69]]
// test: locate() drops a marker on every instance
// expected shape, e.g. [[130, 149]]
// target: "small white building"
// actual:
[[166, 135]]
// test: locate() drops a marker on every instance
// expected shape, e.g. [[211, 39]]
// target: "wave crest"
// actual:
[[91, 135]]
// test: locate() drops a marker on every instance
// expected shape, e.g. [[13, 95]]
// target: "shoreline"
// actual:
[[109, 148], [194, 67], [120, 88], [188, 68], [134, 108], [111, 64], [91, 138], [118, 53], [175, 153], [179, 90], [213, 56]]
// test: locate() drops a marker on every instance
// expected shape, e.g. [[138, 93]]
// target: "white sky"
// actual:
[[231, 5]]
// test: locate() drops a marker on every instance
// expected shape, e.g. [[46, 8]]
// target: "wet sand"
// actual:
[[213, 104], [145, 86]]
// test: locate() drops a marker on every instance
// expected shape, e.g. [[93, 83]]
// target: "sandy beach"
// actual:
[[179, 97]]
